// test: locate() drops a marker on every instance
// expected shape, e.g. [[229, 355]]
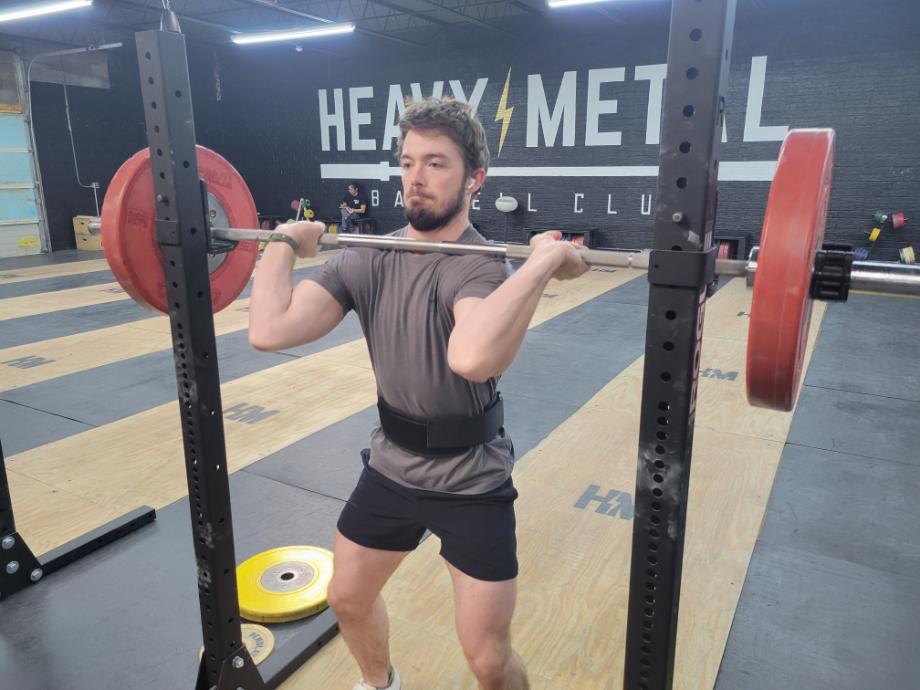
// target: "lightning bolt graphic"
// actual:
[[503, 114]]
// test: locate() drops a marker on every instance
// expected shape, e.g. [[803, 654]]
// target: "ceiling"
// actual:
[[409, 22], [416, 23]]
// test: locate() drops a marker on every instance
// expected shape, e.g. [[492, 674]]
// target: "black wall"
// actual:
[[108, 128], [848, 64]]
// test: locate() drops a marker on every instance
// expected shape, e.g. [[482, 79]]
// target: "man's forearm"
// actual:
[[272, 285]]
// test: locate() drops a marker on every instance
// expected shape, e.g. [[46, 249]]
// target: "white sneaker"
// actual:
[[395, 682]]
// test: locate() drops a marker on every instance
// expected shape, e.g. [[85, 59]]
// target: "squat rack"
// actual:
[[693, 109]]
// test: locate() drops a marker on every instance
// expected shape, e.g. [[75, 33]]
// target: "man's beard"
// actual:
[[428, 219]]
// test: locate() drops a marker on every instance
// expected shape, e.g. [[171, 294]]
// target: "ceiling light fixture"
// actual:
[[292, 34], [556, 4], [24, 12]]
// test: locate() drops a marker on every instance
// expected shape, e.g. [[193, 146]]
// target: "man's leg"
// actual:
[[354, 597], [345, 214], [353, 222], [483, 612]]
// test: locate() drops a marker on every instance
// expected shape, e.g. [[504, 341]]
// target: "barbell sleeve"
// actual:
[[889, 279]]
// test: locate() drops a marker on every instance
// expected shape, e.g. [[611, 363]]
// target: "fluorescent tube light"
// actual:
[[27, 11], [556, 4], [292, 34]]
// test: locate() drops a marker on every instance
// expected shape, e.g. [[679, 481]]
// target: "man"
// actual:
[[441, 329], [353, 206]]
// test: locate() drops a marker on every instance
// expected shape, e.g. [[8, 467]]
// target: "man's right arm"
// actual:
[[280, 314]]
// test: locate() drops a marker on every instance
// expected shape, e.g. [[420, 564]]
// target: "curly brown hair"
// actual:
[[452, 118]]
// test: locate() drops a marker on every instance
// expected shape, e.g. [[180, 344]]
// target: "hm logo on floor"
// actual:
[[613, 503], [248, 414], [27, 362], [719, 374]]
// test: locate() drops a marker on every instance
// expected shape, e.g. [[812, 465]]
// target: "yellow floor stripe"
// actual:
[[19, 275], [90, 295], [570, 624], [139, 459]]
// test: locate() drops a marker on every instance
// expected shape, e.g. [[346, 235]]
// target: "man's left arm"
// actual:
[[488, 331]]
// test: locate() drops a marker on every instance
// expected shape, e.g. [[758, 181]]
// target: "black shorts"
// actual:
[[476, 531]]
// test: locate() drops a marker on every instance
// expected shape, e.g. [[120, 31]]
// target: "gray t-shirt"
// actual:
[[405, 304]]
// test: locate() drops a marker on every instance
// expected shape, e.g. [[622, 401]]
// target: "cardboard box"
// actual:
[[86, 239]]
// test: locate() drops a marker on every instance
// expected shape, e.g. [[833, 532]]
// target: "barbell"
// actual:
[[869, 276], [789, 269]]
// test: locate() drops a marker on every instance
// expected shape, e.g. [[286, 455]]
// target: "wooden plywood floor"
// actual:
[[574, 558], [19, 275], [570, 622], [106, 471]]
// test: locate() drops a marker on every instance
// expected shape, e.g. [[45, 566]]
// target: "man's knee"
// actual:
[[489, 660], [346, 603], [334, 596]]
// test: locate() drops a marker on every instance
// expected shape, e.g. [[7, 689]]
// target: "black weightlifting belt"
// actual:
[[444, 435]]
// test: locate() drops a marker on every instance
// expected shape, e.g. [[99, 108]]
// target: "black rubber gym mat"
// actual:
[[847, 507], [64, 256], [40, 285], [809, 621], [831, 596], [127, 616], [880, 359], [58, 324], [857, 423], [23, 427]]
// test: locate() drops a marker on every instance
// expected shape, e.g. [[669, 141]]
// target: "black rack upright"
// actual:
[[183, 237], [680, 271]]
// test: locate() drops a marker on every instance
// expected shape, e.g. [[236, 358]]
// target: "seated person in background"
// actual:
[[353, 208]]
